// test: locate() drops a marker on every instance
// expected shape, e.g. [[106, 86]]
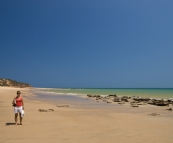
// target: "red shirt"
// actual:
[[19, 101]]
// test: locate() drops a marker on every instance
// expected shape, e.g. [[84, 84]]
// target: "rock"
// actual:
[[134, 102], [113, 95], [130, 100], [112, 98], [100, 97], [121, 103], [125, 99], [89, 95], [50, 110], [42, 110], [154, 114], [151, 102], [166, 100], [109, 102], [63, 106], [161, 102], [146, 99], [170, 109], [117, 99], [141, 103], [170, 101], [97, 96], [106, 97], [133, 105], [141, 99]]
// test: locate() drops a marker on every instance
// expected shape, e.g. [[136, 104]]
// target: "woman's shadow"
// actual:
[[9, 124]]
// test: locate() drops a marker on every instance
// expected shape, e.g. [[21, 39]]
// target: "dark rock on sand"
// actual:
[[141, 103], [109, 102], [134, 101], [50, 110], [134, 105], [141, 99], [170, 100], [97, 96], [125, 99], [161, 102], [117, 99], [63, 106], [154, 114], [121, 103], [42, 110], [151, 102], [89, 95], [170, 109], [113, 95]]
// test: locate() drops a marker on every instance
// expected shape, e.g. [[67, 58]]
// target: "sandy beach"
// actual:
[[85, 120]]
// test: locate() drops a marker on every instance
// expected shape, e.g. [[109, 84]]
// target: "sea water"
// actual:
[[140, 92]]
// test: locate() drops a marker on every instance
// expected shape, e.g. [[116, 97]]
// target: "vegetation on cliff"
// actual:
[[13, 83]]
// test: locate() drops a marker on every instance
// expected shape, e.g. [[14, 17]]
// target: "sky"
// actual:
[[87, 43]]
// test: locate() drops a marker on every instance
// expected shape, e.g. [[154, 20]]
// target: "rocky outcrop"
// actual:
[[133, 101], [13, 83]]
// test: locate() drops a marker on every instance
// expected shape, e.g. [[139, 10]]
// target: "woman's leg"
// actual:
[[20, 119], [16, 115]]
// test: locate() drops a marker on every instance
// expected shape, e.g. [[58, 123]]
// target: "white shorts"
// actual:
[[18, 109]]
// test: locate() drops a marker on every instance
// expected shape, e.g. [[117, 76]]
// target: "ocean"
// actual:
[[140, 92]]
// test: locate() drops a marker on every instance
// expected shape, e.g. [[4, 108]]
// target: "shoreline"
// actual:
[[84, 120], [164, 93], [158, 100], [84, 102]]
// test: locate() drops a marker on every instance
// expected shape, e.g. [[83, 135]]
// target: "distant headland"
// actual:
[[13, 83]]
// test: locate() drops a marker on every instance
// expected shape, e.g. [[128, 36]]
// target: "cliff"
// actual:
[[13, 83]]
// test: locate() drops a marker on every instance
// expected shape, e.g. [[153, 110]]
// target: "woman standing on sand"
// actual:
[[18, 107]]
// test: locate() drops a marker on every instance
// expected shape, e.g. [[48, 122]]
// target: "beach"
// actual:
[[85, 120]]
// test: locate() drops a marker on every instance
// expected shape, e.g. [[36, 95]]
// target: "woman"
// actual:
[[19, 106]]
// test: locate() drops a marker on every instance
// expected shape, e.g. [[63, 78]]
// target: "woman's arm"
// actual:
[[13, 102], [22, 103]]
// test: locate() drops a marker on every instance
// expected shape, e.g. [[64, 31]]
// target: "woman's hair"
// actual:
[[18, 92]]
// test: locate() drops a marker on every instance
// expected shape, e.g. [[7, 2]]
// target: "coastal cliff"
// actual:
[[13, 83]]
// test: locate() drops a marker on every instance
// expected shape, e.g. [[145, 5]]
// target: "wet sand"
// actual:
[[85, 120]]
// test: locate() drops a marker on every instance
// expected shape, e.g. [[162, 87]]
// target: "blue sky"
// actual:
[[92, 43]]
